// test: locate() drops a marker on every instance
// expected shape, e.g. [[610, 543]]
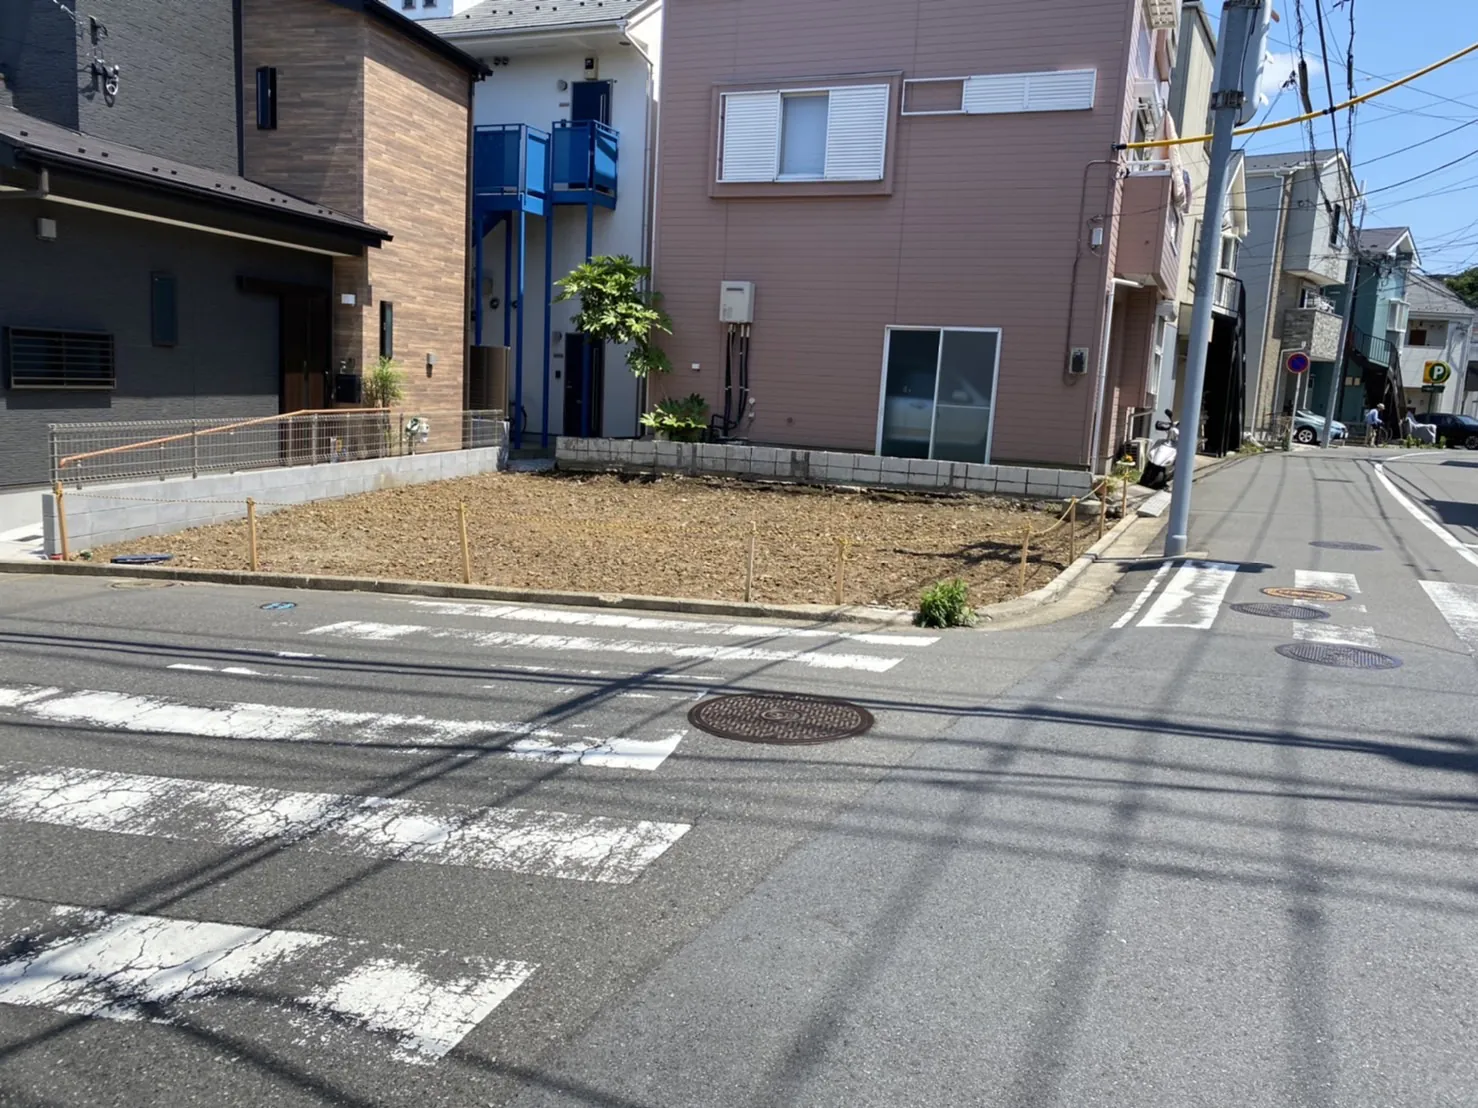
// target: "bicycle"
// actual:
[[1377, 435]]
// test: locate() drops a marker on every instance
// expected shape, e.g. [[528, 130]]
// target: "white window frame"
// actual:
[[812, 90], [995, 381], [963, 82]]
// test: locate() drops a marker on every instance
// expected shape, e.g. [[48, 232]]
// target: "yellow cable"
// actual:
[[1155, 143]]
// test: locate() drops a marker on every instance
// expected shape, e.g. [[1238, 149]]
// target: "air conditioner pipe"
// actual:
[[736, 357]]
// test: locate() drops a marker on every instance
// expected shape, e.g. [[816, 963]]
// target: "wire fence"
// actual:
[[94, 453]]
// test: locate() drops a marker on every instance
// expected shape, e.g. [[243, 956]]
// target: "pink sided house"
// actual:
[[900, 226]]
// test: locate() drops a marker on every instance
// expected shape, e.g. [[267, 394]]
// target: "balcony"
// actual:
[[1225, 298], [585, 162], [1374, 350], [1149, 228], [1315, 331], [510, 168]]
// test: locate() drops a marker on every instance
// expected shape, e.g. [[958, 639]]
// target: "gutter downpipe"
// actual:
[[1103, 356], [1275, 282], [649, 185], [41, 192]]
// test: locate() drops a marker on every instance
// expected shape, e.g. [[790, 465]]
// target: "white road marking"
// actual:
[[1459, 607], [507, 640], [295, 654], [1193, 596], [574, 618], [1311, 631], [277, 723], [544, 844], [1318, 579], [240, 671], [120, 966], [1418, 514], [1144, 594]]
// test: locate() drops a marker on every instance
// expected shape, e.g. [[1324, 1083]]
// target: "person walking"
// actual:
[[1375, 431]]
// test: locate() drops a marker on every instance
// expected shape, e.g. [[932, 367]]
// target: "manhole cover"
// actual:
[[1280, 611], [1339, 655], [143, 584], [1331, 544], [783, 720], [1322, 596]]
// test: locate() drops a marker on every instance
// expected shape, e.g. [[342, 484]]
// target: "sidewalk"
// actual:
[[20, 524]]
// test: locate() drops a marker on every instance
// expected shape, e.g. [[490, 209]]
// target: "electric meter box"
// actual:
[[736, 302]]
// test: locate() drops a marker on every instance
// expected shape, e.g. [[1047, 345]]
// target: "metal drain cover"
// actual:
[[1330, 544], [1339, 655], [1280, 611], [779, 719], [143, 584], [1322, 596]]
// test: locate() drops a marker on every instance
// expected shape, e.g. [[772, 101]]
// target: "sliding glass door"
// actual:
[[939, 392]]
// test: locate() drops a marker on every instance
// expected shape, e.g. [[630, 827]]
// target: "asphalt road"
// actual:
[[1136, 857]]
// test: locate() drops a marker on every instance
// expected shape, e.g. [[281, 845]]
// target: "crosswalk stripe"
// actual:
[[576, 618], [121, 966], [1310, 631], [1319, 579], [1144, 595], [1459, 607], [502, 640], [544, 844], [239, 671], [1193, 596], [278, 723]]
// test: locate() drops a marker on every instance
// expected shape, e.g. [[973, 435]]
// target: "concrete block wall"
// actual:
[[117, 513], [817, 467]]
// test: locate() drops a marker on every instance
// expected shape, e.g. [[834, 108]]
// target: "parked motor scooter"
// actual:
[[1159, 465]]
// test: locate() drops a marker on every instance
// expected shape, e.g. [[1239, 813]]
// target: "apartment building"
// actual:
[[1439, 332]]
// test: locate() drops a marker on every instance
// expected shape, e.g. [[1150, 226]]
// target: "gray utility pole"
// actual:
[[1239, 57], [1352, 273]]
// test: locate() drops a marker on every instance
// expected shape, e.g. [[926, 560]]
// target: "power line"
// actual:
[[1414, 145]]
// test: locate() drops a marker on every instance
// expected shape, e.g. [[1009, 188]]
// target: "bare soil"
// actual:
[[664, 536]]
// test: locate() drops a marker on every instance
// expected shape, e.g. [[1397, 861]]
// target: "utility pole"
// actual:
[[1244, 26], [1341, 360]]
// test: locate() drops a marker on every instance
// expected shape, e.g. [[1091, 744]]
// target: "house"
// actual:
[[1439, 333], [1226, 385], [1373, 370], [1298, 246], [880, 223], [564, 144], [212, 222], [138, 261]]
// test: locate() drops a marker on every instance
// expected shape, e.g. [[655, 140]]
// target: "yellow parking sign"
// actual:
[[1436, 373]]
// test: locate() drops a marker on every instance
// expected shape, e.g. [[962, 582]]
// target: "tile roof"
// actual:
[[1382, 240], [60, 147], [499, 16], [1430, 296]]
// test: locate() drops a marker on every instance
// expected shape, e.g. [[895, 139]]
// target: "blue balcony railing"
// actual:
[[585, 158], [510, 165], [1375, 349]]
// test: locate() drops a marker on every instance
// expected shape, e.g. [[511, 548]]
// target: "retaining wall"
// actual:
[[817, 467], [116, 513]]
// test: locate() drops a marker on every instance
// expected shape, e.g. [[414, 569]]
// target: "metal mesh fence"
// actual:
[[92, 453]]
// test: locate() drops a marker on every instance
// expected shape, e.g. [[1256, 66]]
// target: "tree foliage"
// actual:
[[614, 307], [1465, 284]]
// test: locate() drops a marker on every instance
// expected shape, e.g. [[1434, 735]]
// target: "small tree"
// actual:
[[615, 308], [385, 384]]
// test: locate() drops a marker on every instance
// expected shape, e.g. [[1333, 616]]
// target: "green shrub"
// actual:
[[946, 604], [384, 384], [616, 307], [683, 420]]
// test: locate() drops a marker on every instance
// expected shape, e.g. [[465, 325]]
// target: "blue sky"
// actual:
[[1392, 39]]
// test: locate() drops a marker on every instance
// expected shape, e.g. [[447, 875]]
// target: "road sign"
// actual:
[[1436, 373], [1296, 361], [1434, 388]]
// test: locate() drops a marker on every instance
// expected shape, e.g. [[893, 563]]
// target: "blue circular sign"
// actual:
[[278, 606], [1297, 362]]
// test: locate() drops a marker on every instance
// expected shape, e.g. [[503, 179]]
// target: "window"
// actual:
[[1228, 255], [387, 329], [38, 359], [266, 98], [1334, 221], [164, 315], [428, 3], [1195, 253], [1053, 90], [407, 5], [939, 391], [830, 134], [1417, 337]]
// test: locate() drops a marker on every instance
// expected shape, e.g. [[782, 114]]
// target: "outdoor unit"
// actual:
[[736, 302]]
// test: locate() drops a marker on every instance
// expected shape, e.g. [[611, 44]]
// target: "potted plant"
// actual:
[[680, 420]]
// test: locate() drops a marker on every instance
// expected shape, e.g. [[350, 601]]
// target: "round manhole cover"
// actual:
[[1339, 655], [1280, 611], [778, 719], [1322, 596], [1330, 544], [143, 584]]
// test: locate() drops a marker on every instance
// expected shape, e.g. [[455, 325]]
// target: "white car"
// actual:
[[1308, 428]]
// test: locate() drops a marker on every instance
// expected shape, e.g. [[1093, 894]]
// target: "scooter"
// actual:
[[1159, 463]]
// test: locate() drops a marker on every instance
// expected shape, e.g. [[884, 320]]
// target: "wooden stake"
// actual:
[[841, 571], [749, 563], [1072, 530], [1124, 498], [1026, 545], [466, 553], [251, 534], [1102, 506], [61, 522]]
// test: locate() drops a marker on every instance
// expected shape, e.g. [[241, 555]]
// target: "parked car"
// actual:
[[1308, 428], [1455, 430]]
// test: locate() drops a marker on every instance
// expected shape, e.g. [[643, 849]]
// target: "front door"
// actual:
[[304, 335], [591, 100], [584, 386]]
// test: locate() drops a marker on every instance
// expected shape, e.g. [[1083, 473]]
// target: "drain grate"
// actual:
[[1331, 544], [143, 584], [1322, 596], [1280, 611], [1339, 655], [780, 719]]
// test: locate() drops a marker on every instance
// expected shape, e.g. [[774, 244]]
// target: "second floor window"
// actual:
[[266, 98], [818, 134]]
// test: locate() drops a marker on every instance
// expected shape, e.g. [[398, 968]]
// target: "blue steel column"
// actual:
[[523, 241], [548, 311], [477, 278], [507, 221]]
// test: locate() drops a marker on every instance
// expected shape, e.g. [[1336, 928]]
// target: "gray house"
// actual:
[[1297, 247], [1439, 332]]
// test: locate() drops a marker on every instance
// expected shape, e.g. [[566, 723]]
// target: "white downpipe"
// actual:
[[1103, 355]]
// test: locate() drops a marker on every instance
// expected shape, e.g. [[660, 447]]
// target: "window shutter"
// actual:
[[857, 133], [751, 142], [1055, 91], [1003, 92]]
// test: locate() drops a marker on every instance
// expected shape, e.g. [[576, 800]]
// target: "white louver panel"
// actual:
[[1065, 90], [857, 133], [751, 125]]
